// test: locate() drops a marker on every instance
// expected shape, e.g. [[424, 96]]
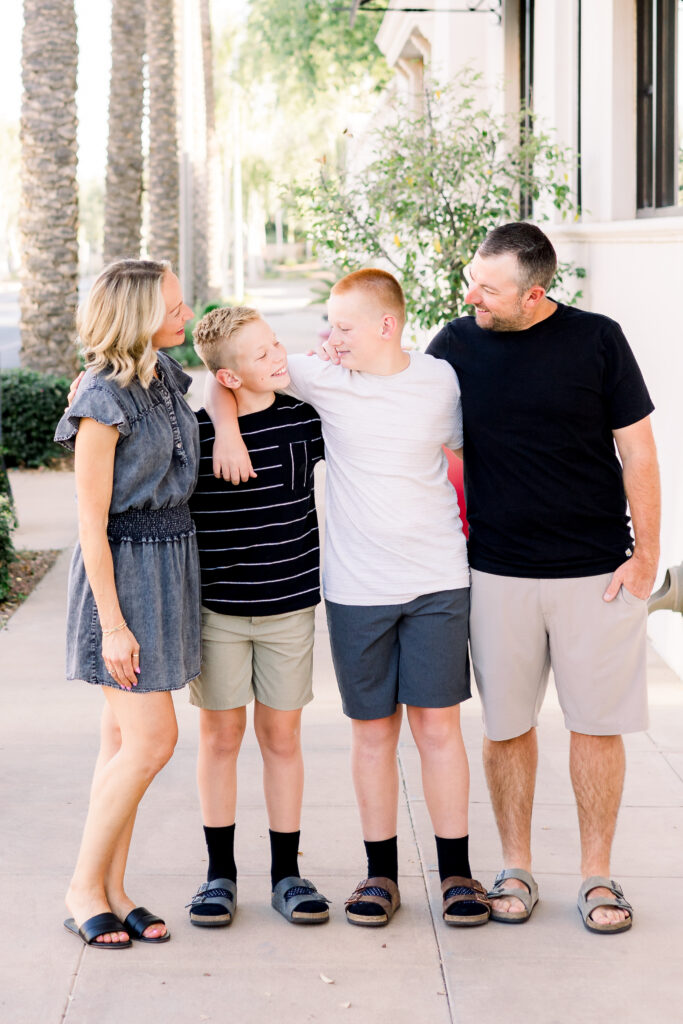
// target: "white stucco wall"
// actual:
[[634, 269], [455, 40], [632, 263]]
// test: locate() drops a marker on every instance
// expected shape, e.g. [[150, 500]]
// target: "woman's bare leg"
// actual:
[[148, 733]]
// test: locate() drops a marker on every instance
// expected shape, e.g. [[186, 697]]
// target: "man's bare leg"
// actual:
[[510, 767], [597, 766]]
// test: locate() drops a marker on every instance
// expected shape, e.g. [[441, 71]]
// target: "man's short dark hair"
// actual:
[[536, 257]]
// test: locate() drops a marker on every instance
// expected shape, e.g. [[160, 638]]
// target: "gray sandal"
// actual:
[[214, 903], [587, 906], [290, 893], [528, 896]]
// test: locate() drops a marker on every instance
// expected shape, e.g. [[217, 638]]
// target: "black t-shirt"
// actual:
[[259, 549], [543, 484]]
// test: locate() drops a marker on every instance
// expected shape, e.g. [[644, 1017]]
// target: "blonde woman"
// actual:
[[133, 608]]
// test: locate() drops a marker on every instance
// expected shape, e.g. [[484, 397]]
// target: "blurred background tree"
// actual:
[[310, 50], [426, 188], [304, 76]]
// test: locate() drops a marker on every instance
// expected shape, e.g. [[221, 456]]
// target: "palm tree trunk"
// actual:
[[196, 156], [49, 199], [164, 202], [122, 205], [215, 222]]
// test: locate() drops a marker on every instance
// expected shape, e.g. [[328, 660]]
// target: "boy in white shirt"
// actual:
[[395, 578]]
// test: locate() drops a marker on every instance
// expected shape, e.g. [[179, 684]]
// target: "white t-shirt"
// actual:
[[393, 529]]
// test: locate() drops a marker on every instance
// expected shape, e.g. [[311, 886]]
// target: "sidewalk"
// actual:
[[262, 969]]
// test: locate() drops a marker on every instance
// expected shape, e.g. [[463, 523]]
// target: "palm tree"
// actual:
[[213, 176], [49, 193], [200, 177], [122, 205], [164, 200]]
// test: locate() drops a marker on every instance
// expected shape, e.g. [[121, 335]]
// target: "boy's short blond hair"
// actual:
[[216, 333], [379, 285]]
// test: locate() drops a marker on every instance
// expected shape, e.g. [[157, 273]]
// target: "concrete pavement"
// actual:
[[549, 971], [261, 968]]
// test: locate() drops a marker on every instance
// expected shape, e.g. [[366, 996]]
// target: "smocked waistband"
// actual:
[[150, 524]]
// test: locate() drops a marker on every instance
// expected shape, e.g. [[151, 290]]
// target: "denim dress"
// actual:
[[150, 531]]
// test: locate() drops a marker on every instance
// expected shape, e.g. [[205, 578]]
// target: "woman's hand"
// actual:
[[73, 389], [121, 654]]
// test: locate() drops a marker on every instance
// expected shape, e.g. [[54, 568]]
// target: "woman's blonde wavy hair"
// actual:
[[124, 309]]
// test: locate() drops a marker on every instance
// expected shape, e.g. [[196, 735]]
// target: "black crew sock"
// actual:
[[383, 858], [284, 853], [453, 855], [382, 863], [220, 842]]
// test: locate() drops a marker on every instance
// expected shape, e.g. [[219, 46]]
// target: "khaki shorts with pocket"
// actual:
[[520, 628], [267, 657]]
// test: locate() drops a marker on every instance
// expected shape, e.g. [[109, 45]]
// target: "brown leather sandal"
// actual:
[[461, 893], [382, 892]]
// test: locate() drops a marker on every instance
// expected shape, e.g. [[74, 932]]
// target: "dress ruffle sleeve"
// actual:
[[95, 401]]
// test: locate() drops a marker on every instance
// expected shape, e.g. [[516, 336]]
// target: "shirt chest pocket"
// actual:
[[297, 468]]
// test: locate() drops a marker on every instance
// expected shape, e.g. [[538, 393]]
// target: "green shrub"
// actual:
[[32, 404], [7, 524], [437, 182], [4, 479], [185, 353]]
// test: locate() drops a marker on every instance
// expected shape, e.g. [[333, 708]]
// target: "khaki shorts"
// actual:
[[267, 657], [520, 628]]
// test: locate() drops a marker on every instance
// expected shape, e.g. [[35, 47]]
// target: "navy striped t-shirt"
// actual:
[[259, 548]]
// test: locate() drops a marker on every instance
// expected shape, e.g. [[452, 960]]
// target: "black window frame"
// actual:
[[526, 90], [657, 143]]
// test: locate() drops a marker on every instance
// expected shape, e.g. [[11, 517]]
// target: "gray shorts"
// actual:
[[520, 628], [267, 657], [414, 653]]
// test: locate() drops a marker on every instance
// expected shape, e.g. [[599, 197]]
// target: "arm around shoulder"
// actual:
[[231, 458]]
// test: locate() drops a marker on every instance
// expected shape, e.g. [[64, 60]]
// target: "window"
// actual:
[[526, 86], [679, 98], [659, 105]]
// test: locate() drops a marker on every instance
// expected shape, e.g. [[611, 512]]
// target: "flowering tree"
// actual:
[[435, 184]]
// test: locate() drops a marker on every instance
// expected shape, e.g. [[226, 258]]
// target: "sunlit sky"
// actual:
[[93, 17]]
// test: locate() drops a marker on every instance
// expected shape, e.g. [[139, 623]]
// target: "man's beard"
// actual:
[[518, 321]]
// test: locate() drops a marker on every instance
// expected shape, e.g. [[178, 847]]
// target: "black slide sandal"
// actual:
[[100, 924], [140, 919]]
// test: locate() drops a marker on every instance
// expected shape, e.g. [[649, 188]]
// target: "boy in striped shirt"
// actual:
[[260, 559]]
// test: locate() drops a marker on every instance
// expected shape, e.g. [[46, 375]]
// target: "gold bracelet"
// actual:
[[108, 632]]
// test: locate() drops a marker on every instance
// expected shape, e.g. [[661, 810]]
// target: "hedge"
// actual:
[[7, 524], [32, 404]]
